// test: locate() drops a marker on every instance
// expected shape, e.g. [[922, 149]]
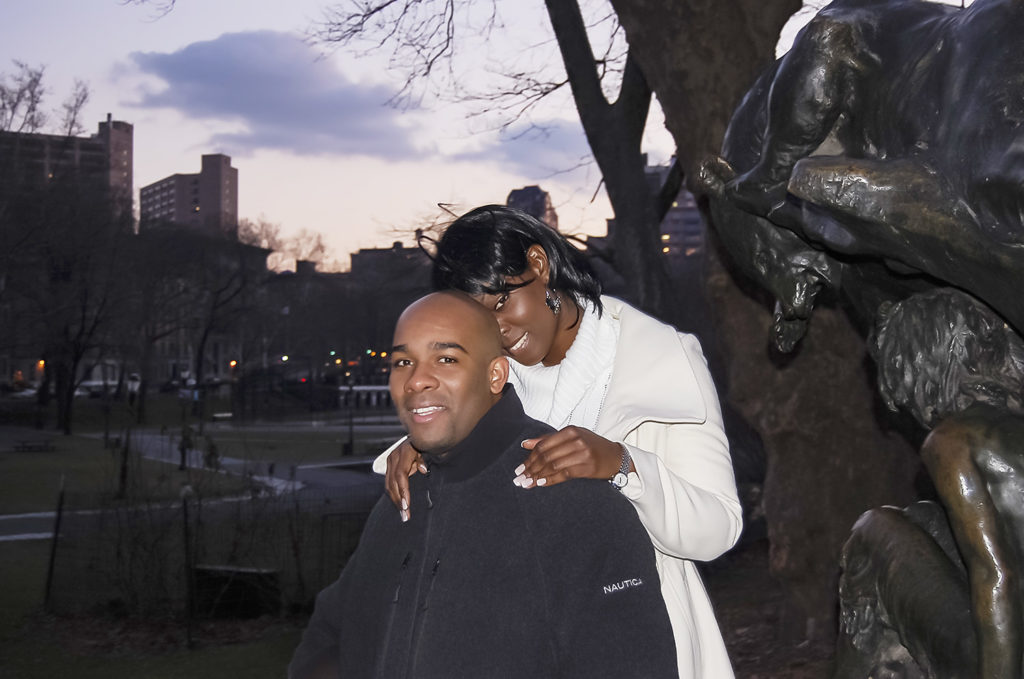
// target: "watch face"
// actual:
[[619, 480]]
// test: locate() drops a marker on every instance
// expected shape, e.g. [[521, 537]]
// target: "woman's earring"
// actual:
[[554, 302]]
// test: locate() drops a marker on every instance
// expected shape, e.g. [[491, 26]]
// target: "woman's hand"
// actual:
[[403, 462], [572, 453]]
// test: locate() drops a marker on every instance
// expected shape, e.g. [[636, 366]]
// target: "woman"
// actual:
[[632, 399]]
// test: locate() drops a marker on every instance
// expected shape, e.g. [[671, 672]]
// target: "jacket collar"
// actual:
[[496, 431]]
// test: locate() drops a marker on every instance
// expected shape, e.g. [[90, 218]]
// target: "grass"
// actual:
[[36, 645], [291, 446], [31, 645], [162, 410], [29, 482]]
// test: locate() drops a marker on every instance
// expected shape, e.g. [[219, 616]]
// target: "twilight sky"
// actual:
[[309, 130]]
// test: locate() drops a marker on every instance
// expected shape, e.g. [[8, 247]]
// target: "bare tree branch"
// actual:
[[21, 99], [162, 7], [421, 34], [71, 109]]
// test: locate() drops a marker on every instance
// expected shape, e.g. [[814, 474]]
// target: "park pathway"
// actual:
[[345, 475]]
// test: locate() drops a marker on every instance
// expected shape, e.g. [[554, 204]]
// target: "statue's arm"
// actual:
[[948, 454]]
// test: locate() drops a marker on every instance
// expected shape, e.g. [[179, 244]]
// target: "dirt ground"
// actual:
[[748, 603]]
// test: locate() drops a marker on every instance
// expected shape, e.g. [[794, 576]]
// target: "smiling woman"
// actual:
[[522, 271]]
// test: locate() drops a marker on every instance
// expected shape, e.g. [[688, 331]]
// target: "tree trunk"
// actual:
[[614, 132], [199, 399], [699, 58], [65, 392], [145, 371]]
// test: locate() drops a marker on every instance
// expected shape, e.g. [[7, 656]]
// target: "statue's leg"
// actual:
[[816, 81], [904, 607], [885, 208], [906, 213]]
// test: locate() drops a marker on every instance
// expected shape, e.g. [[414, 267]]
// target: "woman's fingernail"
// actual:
[[541, 482], [520, 469], [405, 503], [527, 482], [522, 444], [423, 468], [517, 481], [405, 516]]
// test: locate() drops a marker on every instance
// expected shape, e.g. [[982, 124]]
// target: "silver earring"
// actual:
[[553, 301]]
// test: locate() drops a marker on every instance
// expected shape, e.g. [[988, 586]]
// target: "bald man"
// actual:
[[482, 580]]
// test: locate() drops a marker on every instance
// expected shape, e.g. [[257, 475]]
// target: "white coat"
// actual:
[[661, 403]]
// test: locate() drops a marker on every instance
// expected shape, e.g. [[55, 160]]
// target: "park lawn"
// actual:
[[294, 446], [162, 410], [30, 482], [29, 649], [284, 447]]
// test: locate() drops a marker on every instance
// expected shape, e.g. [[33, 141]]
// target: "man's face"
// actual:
[[442, 380]]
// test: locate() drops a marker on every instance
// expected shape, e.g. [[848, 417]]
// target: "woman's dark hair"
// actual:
[[480, 250]]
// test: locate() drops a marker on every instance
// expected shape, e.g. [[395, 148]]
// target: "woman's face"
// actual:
[[530, 332]]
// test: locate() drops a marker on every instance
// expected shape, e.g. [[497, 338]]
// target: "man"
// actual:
[[484, 580]]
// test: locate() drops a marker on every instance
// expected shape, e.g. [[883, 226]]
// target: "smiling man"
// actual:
[[484, 580]]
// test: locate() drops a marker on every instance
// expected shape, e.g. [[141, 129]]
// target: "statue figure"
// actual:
[[882, 159], [935, 590], [921, 106]]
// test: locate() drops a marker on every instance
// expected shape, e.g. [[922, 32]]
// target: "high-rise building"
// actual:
[[103, 160], [207, 201], [535, 202], [682, 229], [94, 172]]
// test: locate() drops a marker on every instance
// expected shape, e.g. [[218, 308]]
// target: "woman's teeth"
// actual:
[[520, 344]]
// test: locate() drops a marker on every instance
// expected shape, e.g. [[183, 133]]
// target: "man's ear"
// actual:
[[537, 260], [497, 374]]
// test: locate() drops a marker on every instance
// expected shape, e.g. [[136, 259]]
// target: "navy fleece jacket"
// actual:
[[490, 580]]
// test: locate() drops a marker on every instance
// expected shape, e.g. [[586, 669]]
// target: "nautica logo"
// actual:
[[625, 584]]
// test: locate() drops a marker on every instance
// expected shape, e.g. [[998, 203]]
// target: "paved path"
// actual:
[[348, 475]]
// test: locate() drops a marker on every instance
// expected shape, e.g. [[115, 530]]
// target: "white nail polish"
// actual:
[[527, 482], [516, 481], [520, 469], [405, 516], [541, 482], [405, 503]]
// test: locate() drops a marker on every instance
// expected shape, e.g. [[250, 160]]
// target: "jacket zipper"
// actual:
[[382, 660], [424, 583]]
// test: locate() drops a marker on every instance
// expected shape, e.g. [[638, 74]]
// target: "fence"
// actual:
[[261, 554]]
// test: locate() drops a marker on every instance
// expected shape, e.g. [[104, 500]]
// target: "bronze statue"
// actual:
[[882, 159], [922, 107], [935, 591]]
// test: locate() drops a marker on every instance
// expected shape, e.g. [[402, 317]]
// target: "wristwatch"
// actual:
[[621, 477]]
